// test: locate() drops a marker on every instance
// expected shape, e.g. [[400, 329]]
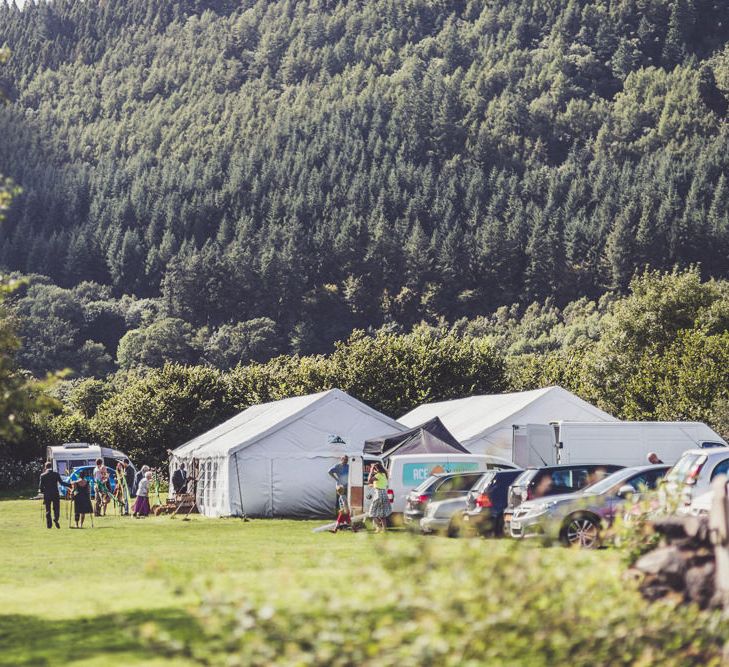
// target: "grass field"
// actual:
[[79, 597], [70, 597]]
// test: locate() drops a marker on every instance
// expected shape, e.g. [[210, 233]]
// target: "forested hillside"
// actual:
[[300, 169]]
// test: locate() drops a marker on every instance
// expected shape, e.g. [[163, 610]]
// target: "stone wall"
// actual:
[[683, 565]]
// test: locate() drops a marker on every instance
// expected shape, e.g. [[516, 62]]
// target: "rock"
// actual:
[[685, 531], [666, 561], [684, 567], [671, 527], [652, 589], [700, 584]]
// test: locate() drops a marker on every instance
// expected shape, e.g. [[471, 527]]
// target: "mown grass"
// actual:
[[73, 596]]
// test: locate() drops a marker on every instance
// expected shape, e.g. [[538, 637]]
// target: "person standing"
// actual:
[[48, 486], [653, 458], [141, 504], [380, 508], [129, 477], [138, 477], [179, 480], [101, 490], [340, 473], [344, 517], [81, 500], [122, 489]]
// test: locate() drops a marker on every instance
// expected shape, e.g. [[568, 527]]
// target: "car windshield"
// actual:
[[683, 467], [606, 483]]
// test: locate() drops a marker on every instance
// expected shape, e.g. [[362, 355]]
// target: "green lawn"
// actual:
[[72, 596], [75, 597]]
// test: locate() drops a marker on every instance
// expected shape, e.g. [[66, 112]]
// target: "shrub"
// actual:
[[476, 604]]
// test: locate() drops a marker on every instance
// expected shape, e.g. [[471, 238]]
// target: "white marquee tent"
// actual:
[[272, 459], [483, 424]]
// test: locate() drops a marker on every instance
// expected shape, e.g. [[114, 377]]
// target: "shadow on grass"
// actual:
[[28, 640]]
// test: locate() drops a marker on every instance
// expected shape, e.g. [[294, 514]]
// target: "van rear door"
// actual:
[[533, 445]]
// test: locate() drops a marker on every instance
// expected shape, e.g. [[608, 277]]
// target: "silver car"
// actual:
[[576, 519], [443, 516], [693, 473]]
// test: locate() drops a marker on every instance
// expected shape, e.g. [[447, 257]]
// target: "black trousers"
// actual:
[[56, 503]]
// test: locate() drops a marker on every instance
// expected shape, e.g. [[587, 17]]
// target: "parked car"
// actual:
[[442, 486], [700, 505], [443, 516], [408, 471], [693, 473], [486, 502], [87, 472], [553, 480], [577, 519]]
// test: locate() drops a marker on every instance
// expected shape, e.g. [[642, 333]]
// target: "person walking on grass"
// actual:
[[81, 501], [48, 486], [380, 508], [141, 504]]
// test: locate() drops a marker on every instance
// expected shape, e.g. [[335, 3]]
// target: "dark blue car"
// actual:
[[487, 500], [87, 472]]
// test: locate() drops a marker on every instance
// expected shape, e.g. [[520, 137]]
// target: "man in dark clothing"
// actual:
[[179, 479], [48, 486], [129, 474]]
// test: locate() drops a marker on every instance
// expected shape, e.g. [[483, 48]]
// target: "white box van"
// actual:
[[410, 470], [622, 443]]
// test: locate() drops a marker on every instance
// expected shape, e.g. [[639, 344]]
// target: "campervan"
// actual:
[[409, 470], [71, 455], [622, 443]]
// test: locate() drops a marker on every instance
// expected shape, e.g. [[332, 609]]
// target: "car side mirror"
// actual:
[[625, 491]]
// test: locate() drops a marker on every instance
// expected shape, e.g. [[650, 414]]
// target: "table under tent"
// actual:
[[484, 424], [273, 459]]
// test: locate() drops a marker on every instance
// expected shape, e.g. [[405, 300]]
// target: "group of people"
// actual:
[[128, 485], [379, 510]]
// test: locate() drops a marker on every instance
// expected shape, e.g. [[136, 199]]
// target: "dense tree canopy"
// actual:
[[332, 165]]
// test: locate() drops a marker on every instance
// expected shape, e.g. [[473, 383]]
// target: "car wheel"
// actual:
[[581, 530]]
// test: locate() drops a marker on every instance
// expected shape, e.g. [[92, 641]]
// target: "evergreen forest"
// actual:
[[219, 182]]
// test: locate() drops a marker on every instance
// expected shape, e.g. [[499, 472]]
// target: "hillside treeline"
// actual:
[[661, 352], [322, 166]]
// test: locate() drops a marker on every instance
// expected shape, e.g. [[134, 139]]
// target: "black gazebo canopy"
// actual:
[[432, 437]]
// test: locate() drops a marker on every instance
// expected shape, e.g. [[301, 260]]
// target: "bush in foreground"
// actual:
[[474, 604]]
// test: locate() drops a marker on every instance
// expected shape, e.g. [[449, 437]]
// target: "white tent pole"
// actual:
[[240, 492]]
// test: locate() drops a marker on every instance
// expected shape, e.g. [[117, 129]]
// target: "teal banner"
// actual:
[[415, 473]]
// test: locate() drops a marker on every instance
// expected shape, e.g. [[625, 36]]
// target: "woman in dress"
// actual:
[[141, 504], [81, 500], [380, 508]]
